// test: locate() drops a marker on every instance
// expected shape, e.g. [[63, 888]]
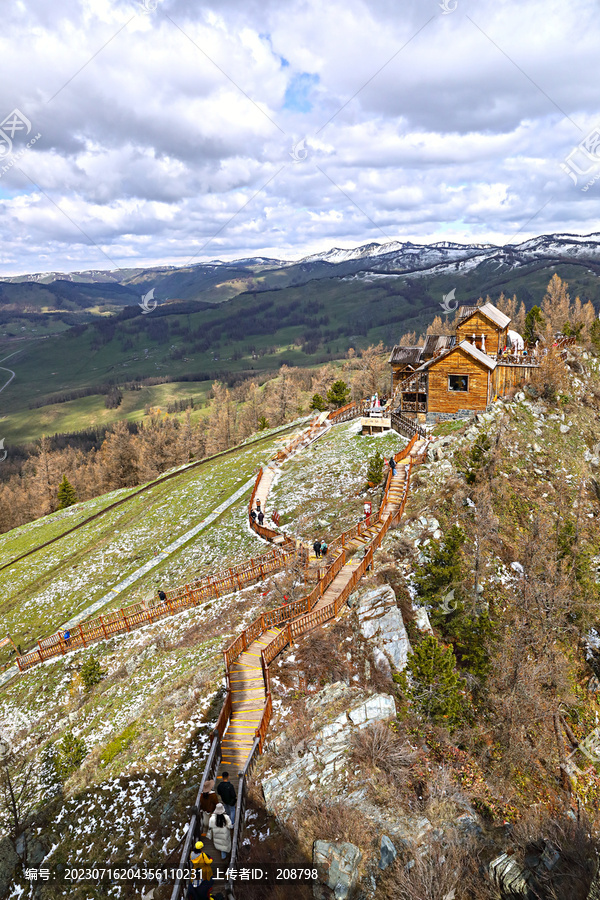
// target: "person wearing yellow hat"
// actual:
[[200, 860]]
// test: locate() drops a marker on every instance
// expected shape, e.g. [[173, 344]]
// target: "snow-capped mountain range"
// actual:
[[390, 259]]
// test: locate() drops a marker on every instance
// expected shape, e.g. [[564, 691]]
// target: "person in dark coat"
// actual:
[[261, 517], [392, 465], [317, 548], [208, 802], [226, 792], [162, 596], [253, 515]]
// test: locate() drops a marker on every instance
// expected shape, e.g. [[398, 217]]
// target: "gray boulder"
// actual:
[[381, 622], [388, 852], [338, 866]]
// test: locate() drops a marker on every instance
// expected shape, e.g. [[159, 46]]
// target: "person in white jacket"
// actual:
[[219, 830]]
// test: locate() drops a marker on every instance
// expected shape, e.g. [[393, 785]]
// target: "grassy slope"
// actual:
[[45, 589], [76, 415], [326, 483]]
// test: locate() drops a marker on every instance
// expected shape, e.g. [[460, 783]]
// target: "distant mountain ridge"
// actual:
[[393, 257]]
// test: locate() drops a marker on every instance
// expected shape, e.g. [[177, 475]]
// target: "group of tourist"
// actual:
[[257, 515], [320, 548], [217, 809]]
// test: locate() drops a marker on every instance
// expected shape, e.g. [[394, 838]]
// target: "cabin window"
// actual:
[[458, 383]]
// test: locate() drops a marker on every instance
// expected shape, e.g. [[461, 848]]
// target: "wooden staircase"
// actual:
[[247, 704], [243, 723]]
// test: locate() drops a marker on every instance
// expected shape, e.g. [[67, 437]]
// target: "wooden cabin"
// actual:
[[459, 381], [485, 326], [452, 376]]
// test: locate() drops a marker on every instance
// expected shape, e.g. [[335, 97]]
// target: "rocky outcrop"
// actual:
[[381, 622], [325, 757], [9, 861], [338, 866]]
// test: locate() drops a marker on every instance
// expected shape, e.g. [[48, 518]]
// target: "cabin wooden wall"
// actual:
[[505, 377], [440, 399], [478, 324]]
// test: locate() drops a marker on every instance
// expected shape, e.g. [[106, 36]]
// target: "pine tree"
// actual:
[[338, 394], [534, 322], [91, 673], [434, 685], [66, 494], [375, 468], [439, 584], [71, 752], [442, 569], [318, 403]]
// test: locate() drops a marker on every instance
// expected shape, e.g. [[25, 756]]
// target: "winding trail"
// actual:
[[243, 723]]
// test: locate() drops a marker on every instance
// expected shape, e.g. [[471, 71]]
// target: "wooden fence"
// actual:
[[138, 614]]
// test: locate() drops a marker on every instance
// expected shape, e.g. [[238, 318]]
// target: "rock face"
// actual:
[[326, 755], [8, 863], [338, 866], [381, 622]]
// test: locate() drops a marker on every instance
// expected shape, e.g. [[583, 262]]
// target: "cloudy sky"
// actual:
[[172, 130]]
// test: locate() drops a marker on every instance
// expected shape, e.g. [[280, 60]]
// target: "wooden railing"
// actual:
[[404, 425], [139, 614]]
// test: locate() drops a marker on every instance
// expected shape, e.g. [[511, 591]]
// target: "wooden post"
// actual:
[[61, 643], [124, 617]]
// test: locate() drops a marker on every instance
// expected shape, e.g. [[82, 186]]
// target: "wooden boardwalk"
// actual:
[[248, 696], [248, 688], [243, 723]]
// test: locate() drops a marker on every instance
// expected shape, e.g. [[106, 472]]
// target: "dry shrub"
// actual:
[[551, 377], [378, 747], [433, 873], [445, 799], [318, 659], [572, 838], [192, 636], [325, 819], [291, 742]]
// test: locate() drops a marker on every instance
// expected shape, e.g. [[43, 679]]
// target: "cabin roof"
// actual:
[[465, 311], [406, 356], [469, 348], [435, 342], [490, 311]]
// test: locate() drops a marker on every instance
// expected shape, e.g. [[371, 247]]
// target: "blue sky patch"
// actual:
[[298, 94]]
